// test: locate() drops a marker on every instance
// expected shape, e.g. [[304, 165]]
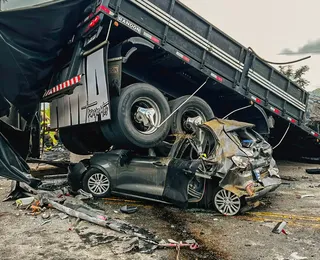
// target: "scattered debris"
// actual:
[[62, 215], [83, 195], [279, 228], [46, 215], [128, 209], [46, 222], [289, 178], [313, 171], [24, 202], [294, 256], [305, 196]]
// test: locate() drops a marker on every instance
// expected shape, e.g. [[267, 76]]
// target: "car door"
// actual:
[[143, 176]]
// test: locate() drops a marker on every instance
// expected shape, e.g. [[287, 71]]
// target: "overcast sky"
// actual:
[[270, 28]]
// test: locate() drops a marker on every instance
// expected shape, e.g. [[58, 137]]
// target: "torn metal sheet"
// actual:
[[236, 154]]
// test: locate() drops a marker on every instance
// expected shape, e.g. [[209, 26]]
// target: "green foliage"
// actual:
[[296, 76]]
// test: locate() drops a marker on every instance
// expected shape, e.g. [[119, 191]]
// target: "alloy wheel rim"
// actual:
[[98, 184], [227, 203]]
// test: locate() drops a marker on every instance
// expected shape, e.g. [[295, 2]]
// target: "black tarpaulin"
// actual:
[[30, 40], [12, 166]]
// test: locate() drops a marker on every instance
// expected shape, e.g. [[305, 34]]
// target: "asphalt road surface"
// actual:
[[248, 236]]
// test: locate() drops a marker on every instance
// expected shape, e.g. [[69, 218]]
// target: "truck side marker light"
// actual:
[[181, 56], [152, 38], [257, 100], [218, 78], [103, 9], [94, 22], [292, 120], [275, 110]]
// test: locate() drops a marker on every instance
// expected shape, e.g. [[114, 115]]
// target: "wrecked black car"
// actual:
[[223, 165]]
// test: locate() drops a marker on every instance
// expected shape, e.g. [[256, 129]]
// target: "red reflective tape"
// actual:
[[314, 134], [154, 39], [104, 9], [63, 85], [292, 120], [277, 111], [258, 100], [219, 78], [185, 58], [94, 22]]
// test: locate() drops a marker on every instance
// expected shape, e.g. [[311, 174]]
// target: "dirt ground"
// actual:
[[247, 236]]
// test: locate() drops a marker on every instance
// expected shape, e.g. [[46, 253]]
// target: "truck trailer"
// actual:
[[149, 56]]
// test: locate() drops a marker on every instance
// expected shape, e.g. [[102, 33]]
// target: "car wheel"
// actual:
[[194, 107], [135, 114], [97, 183], [226, 202]]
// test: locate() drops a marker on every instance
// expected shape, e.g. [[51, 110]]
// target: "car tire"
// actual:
[[97, 183], [194, 107], [225, 202], [124, 131]]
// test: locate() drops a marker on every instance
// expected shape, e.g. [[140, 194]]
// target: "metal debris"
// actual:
[[279, 228]]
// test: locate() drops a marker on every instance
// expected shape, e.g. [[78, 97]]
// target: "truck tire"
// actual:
[[194, 107], [83, 139], [126, 130]]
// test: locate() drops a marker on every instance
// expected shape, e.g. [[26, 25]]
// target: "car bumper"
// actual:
[[270, 184], [75, 175]]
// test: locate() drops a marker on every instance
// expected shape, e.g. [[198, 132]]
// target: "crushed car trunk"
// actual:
[[242, 157]]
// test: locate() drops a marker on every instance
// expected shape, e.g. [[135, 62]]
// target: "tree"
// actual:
[[297, 75]]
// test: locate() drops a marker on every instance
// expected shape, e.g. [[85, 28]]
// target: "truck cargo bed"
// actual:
[[178, 30]]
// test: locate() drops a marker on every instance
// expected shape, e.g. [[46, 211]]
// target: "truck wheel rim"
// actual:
[[98, 183], [149, 104], [227, 203], [190, 113]]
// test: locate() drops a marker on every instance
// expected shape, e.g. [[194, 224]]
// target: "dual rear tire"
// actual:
[[137, 121]]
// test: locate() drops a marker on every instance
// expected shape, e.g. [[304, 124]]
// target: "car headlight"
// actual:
[[240, 161]]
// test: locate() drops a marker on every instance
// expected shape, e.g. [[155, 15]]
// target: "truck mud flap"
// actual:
[[180, 173], [89, 102]]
